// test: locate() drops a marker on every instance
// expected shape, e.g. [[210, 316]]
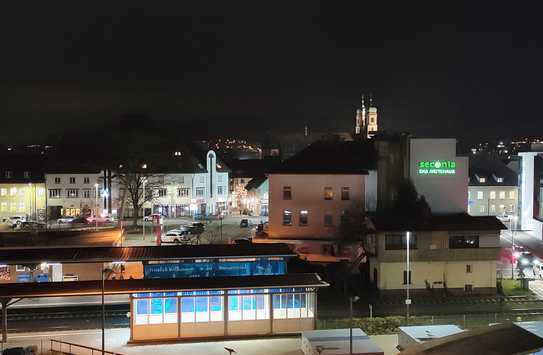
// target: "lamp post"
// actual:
[[408, 277], [352, 300], [513, 218], [96, 205], [104, 271], [143, 211], [30, 201]]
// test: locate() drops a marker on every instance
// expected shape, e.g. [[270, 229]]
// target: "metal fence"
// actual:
[[64, 347]]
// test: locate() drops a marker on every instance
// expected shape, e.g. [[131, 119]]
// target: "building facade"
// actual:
[[454, 253], [492, 189], [75, 193], [22, 194]]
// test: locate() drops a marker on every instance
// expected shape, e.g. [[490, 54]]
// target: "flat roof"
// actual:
[[438, 222], [116, 287], [142, 253], [336, 342], [428, 332]]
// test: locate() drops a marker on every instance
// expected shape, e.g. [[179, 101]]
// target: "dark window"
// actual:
[[328, 220], [468, 288], [27, 174], [398, 241], [287, 193], [86, 180], [7, 174], [463, 241], [72, 180], [405, 282], [345, 193], [54, 193], [287, 217], [468, 269], [72, 193], [162, 192], [328, 193], [57, 180], [303, 217]]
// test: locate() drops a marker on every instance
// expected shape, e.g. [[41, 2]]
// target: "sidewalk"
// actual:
[[116, 341]]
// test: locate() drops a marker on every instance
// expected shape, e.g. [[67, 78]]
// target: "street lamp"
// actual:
[[96, 205], [352, 299], [104, 271], [513, 218], [408, 277], [143, 210]]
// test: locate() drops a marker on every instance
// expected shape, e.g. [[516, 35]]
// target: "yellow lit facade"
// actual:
[[22, 199]]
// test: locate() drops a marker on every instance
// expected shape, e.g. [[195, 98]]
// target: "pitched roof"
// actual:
[[439, 222], [332, 157], [256, 182], [491, 169]]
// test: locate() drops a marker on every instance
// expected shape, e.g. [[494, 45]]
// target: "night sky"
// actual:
[[469, 70]]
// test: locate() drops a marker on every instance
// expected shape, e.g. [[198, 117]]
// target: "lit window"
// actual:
[[492, 208], [482, 179], [13, 191], [492, 195], [4, 207], [3, 191], [512, 194], [26, 174], [499, 179], [502, 195], [21, 206], [502, 208], [481, 209], [287, 193], [345, 193], [8, 174], [72, 193], [287, 217], [199, 191], [13, 207], [303, 218], [480, 195], [328, 193]]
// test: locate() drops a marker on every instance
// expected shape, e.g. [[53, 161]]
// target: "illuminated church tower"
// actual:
[[371, 120], [366, 120]]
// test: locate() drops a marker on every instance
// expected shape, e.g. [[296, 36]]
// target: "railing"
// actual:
[[68, 348]]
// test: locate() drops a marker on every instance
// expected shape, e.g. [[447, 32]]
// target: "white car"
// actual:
[[175, 236], [153, 217], [65, 219], [15, 221]]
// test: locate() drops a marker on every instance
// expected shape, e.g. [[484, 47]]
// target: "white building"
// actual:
[[439, 174], [493, 188], [185, 186], [74, 193], [531, 193]]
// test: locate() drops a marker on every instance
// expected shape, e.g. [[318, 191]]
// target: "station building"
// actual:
[[186, 292]]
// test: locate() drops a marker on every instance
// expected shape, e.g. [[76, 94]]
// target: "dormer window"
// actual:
[[498, 179], [8, 174], [481, 179], [27, 174]]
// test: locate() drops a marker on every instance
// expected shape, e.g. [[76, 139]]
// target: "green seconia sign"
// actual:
[[437, 167]]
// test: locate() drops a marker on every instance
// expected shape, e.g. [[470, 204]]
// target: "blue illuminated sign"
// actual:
[[215, 268]]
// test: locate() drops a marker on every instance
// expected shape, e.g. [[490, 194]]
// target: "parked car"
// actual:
[[15, 221], [33, 225], [65, 219], [196, 228], [100, 219], [175, 236], [153, 217]]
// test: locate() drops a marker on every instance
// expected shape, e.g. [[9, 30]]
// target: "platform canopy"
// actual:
[[116, 287]]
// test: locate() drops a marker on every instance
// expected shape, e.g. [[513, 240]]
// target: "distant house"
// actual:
[[493, 187]]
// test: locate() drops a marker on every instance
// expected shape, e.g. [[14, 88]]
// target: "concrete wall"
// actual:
[[444, 193], [308, 194]]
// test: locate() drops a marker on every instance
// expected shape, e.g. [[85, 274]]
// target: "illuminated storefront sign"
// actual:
[[437, 167]]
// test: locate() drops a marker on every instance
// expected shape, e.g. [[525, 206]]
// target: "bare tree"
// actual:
[[132, 178]]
